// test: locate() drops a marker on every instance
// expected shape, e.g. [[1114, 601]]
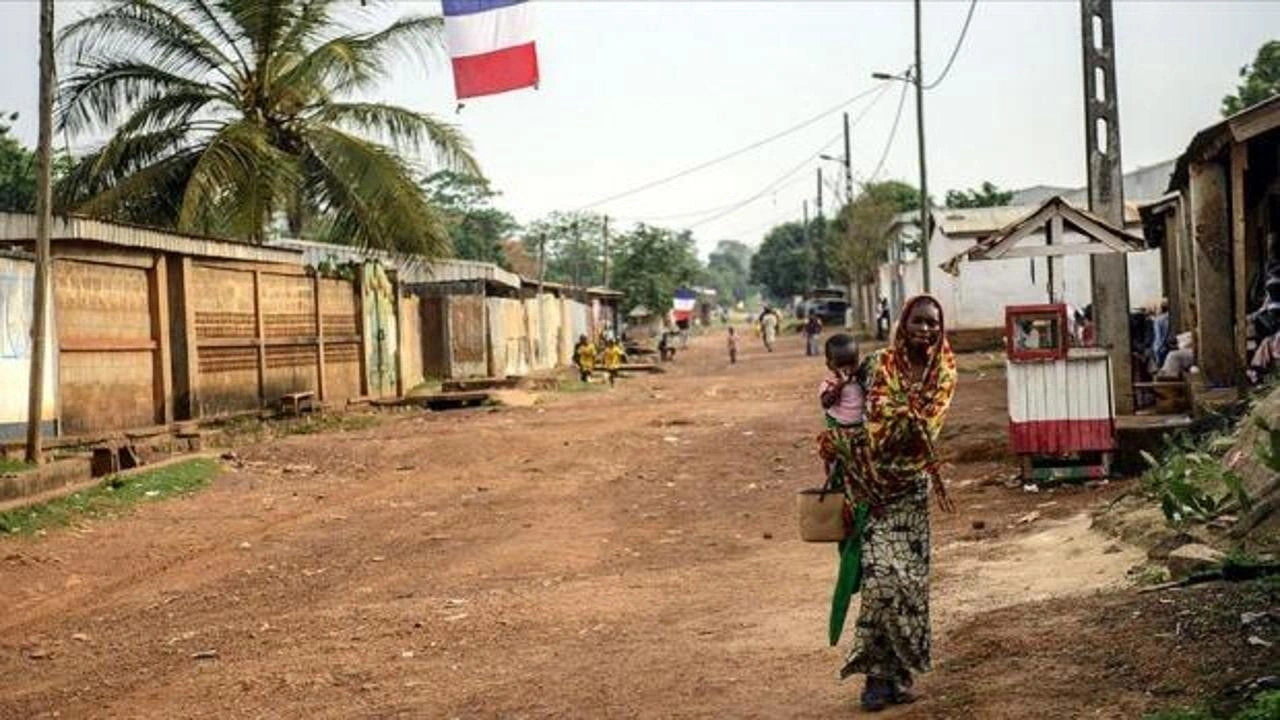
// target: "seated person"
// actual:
[[1178, 362]]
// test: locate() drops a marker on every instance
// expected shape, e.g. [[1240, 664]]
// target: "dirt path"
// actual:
[[604, 554]]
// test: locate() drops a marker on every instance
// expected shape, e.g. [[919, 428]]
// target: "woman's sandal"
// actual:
[[901, 695]]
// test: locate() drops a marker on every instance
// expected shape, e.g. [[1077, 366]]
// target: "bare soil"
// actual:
[[606, 553]]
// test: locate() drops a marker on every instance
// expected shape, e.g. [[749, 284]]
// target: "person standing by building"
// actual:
[[812, 330], [882, 319]]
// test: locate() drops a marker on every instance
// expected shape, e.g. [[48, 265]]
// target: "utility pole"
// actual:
[[848, 163], [925, 234], [1109, 272], [40, 296], [819, 192], [542, 263], [604, 281]]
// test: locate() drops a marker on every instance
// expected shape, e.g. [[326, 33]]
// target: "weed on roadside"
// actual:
[[1191, 481], [13, 466], [1265, 706], [114, 496], [244, 430]]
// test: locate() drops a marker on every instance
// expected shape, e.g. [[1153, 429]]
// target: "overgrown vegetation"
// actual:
[[1191, 480], [252, 429], [115, 496], [1266, 706], [13, 466]]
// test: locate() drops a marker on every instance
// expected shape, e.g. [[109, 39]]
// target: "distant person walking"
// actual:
[[812, 331], [769, 321], [733, 346], [882, 319], [613, 357]]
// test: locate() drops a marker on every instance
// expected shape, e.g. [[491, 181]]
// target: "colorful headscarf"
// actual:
[[898, 410]]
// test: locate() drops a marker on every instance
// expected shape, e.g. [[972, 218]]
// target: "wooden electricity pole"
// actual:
[[44, 191], [1109, 271]]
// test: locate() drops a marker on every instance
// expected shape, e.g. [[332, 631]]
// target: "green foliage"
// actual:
[[651, 262], [988, 195], [18, 171], [476, 229], [903, 196], [1191, 482], [1267, 449], [1264, 706], [114, 496], [13, 466], [574, 247], [859, 240], [226, 117], [786, 262], [1260, 80], [729, 271]]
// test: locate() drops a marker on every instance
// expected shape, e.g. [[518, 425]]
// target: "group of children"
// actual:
[[610, 357]]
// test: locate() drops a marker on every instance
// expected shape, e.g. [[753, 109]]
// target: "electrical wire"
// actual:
[[732, 154], [770, 187], [733, 206], [956, 50], [893, 132]]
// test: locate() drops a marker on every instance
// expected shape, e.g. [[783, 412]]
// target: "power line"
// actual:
[[893, 132], [746, 148], [803, 163], [733, 206], [956, 50]]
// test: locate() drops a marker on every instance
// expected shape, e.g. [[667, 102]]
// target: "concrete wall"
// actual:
[[17, 278], [977, 298], [108, 340], [509, 348], [410, 343]]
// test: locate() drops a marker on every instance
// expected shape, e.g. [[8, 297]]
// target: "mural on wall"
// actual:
[[379, 304], [17, 287]]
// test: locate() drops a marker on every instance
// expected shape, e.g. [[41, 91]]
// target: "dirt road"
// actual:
[[626, 553]]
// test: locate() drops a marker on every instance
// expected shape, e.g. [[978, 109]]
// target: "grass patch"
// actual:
[[13, 466], [250, 429], [1265, 706], [115, 496]]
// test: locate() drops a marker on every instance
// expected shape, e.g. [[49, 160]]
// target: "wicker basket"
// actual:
[[820, 515]]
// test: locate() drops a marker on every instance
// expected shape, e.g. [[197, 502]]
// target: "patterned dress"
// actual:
[[904, 419]]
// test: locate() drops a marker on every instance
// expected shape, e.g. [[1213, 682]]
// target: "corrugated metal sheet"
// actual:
[[21, 228], [467, 337], [408, 268], [17, 277]]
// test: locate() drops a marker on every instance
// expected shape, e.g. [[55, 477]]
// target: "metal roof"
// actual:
[[21, 227], [1003, 243], [980, 222], [409, 268], [1242, 126]]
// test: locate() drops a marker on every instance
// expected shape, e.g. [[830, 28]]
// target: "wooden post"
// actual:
[[357, 286], [1215, 339], [44, 195], [1239, 163], [321, 390], [1056, 232], [260, 338], [192, 344], [162, 360]]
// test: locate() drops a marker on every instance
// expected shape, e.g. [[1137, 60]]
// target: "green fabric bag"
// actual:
[[849, 577]]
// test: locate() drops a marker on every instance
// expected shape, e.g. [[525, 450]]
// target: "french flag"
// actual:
[[683, 304], [491, 46]]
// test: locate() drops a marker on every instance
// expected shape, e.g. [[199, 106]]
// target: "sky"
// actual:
[[636, 91]]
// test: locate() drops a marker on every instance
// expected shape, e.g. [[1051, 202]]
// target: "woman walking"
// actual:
[[909, 388]]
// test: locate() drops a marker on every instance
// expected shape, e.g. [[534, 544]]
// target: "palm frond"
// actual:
[[150, 196], [142, 29], [404, 128], [240, 178], [93, 97], [211, 21], [369, 195], [351, 62]]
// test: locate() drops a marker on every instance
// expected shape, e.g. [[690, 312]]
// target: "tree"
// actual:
[[477, 230], [729, 270], [651, 262], [858, 241], [1261, 80], [225, 114], [988, 195], [904, 196], [785, 262], [17, 172], [574, 246]]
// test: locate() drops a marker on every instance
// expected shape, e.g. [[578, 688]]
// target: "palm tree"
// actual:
[[223, 114]]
